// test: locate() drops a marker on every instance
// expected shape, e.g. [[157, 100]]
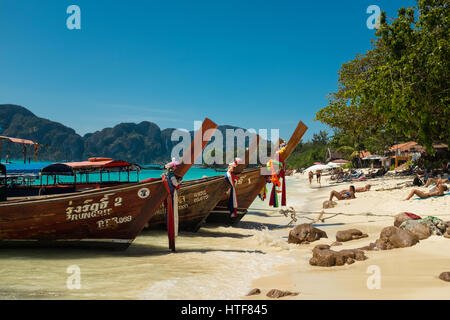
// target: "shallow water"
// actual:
[[218, 262]]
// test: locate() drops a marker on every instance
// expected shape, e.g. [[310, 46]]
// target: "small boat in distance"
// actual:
[[109, 217]]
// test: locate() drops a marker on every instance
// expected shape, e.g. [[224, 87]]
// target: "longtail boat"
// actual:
[[19, 186], [197, 198], [109, 217], [250, 184]]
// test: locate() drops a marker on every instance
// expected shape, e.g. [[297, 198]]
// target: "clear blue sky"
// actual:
[[253, 64]]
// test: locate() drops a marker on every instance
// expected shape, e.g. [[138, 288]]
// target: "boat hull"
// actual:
[[106, 218], [248, 187], [196, 199]]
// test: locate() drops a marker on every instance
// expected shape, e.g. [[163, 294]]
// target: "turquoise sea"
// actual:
[[35, 167]]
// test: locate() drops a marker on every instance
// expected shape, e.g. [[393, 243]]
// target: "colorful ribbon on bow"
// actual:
[[262, 193], [171, 185], [275, 179]]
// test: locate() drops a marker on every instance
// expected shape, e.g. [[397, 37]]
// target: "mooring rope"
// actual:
[[292, 213]]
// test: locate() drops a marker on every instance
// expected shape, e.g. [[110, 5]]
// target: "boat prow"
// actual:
[[109, 217]]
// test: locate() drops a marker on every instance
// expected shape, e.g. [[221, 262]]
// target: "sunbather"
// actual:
[[344, 194], [440, 189], [363, 189], [435, 181]]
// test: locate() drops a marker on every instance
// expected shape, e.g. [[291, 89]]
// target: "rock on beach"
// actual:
[[305, 233], [323, 256], [275, 293], [350, 234], [393, 237]]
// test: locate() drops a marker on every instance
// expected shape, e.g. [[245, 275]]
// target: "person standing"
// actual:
[[318, 174]]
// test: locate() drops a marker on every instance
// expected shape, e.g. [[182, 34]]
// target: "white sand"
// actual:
[[407, 273]]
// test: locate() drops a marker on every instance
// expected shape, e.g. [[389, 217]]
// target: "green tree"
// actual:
[[400, 87]]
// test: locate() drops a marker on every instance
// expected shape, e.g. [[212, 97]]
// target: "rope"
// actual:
[[303, 214]]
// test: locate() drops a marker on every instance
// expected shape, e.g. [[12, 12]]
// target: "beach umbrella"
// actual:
[[317, 167], [332, 165], [340, 161]]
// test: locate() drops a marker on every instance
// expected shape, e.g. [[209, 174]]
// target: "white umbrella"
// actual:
[[333, 165], [317, 167]]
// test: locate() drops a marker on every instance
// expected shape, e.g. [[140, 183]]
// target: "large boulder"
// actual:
[[404, 216], [350, 234], [419, 228], [323, 256], [305, 233], [435, 226], [393, 237]]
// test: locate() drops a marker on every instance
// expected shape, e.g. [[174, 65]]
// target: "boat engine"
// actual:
[[2, 183]]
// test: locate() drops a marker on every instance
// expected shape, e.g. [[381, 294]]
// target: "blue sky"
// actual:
[[253, 64]]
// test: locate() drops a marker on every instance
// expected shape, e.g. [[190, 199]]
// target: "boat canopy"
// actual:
[[17, 140], [58, 169], [93, 164]]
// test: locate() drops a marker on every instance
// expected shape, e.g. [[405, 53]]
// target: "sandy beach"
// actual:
[[226, 262], [406, 273]]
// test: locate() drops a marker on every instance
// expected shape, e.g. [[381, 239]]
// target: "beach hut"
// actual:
[[403, 152], [333, 155], [376, 161]]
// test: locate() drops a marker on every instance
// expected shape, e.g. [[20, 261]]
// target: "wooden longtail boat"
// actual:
[[100, 166], [197, 198], [111, 217], [250, 184]]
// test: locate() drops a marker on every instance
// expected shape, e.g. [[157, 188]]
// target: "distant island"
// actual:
[[143, 143]]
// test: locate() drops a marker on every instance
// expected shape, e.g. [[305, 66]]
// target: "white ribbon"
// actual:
[[233, 190]]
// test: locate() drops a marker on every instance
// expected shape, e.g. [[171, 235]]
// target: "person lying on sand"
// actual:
[[440, 189], [435, 181], [344, 194], [363, 189], [360, 189]]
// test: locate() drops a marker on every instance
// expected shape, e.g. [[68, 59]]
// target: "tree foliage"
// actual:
[[399, 88]]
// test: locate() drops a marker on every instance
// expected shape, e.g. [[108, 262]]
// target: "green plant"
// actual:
[[348, 166]]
